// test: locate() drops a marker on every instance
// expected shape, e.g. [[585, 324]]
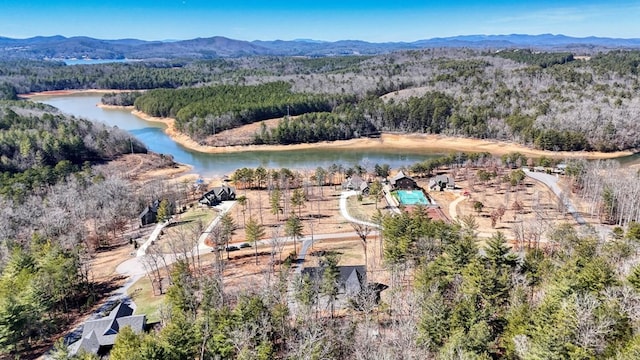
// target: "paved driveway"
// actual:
[[552, 183]]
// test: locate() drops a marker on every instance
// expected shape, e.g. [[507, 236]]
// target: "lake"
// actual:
[[215, 165]]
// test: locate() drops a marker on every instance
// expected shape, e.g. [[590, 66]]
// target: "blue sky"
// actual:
[[331, 20]]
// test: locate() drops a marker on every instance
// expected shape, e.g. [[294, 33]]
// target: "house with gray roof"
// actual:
[[441, 182], [217, 194], [364, 188], [353, 287], [101, 333], [353, 183], [351, 279]]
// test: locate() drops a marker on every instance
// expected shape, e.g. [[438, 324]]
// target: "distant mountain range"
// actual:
[[60, 47]]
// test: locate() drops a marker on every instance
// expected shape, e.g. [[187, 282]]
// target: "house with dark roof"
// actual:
[[441, 182], [364, 188], [100, 334], [353, 289], [149, 214], [403, 182], [351, 279], [218, 194]]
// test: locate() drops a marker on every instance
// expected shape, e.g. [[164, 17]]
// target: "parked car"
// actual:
[[245, 245]]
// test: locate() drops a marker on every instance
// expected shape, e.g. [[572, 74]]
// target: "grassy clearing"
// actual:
[[364, 210], [146, 302], [186, 225], [350, 252], [192, 216]]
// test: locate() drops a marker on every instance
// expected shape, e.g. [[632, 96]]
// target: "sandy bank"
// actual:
[[117, 107], [413, 142]]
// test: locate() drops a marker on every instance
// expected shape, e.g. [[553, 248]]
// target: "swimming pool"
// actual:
[[412, 197]]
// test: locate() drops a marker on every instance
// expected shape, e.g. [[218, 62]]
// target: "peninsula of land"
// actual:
[[419, 142]]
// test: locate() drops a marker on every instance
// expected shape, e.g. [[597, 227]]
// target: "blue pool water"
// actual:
[[412, 197]]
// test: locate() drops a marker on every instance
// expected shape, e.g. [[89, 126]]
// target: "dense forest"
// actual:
[[21, 77], [39, 146], [207, 110], [555, 101], [552, 101]]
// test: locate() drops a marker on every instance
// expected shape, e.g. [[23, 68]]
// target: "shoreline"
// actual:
[[427, 143], [70, 92]]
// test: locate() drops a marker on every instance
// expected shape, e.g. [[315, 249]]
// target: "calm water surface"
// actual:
[[153, 136]]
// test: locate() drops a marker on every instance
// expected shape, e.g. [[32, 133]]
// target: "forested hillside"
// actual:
[[554, 101], [39, 146], [21, 77], [546, 100], [55, 210], [207, 110]]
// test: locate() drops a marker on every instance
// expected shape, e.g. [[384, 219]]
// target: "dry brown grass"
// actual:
[[494, 194], [321, 211], [366, 209], [104, 262]]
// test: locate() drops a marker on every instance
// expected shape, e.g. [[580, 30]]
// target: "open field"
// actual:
[[185, 228], [365, 210], [320, 214], [539, 209]]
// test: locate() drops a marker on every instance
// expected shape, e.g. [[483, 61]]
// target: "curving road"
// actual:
[[453, 206], [134, 269], [551, 181], [345, 213]]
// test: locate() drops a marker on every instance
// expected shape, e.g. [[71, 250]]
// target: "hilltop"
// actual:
[[60, 47]]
